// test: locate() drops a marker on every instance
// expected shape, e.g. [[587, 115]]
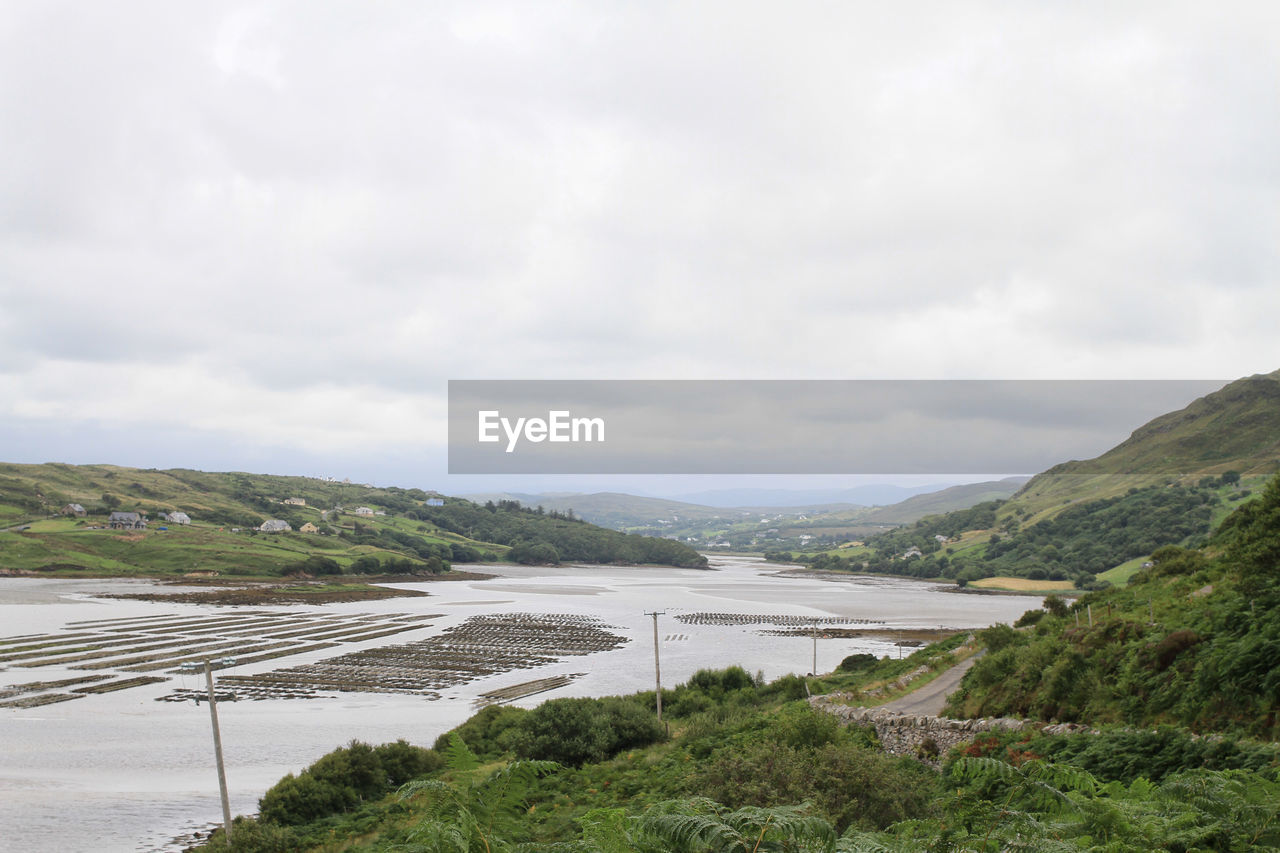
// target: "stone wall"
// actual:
[[917, 736]]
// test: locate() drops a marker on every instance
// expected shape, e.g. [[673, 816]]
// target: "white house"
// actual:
[[275, 525], [363, 510]]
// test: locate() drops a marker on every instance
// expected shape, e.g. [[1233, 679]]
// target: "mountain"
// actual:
[[1170, 483], [1235, 428], [875, 494], [946, 500]]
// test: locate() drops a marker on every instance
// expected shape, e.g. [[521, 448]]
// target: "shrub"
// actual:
[[857, 663], [717, 682], [1028, 618], [490, 734], [303, 798], [849, 786], [1055, 605], [402, 761], [576, 731], [998, 636], [339, 781]]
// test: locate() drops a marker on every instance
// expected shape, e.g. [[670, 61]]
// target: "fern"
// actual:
[[703, 825], [476, 817], [458, 757]]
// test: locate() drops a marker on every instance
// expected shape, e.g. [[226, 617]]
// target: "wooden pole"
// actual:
[[815, 650], [657, 669], [217, 752]]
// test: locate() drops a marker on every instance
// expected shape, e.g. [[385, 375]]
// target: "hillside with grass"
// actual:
[[1236, 428], [1094, 522], [1193, 640], [56, 518]]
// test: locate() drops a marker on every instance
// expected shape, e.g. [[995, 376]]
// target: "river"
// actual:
[[121, 771]]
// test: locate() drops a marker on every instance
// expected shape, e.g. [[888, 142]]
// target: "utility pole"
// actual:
[[657, 670], [217, 751], [814, 671]]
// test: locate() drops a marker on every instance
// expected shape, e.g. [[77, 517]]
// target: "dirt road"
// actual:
[[928, 700]]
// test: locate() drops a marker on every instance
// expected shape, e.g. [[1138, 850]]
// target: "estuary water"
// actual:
[[122, 771]]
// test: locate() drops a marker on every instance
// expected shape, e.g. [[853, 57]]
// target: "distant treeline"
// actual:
[[1076, 544], [537, 536]]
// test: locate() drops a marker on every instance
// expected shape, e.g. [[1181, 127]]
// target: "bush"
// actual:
[[256, 836], [342, 779], [578, 731], [857, 663], [1055, 605], [1028, 618], [402, 761], [849, 786], [303, 798], [717, 682], [490, 734], [998, 636]]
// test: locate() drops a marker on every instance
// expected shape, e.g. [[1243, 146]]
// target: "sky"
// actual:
[[264, 236]]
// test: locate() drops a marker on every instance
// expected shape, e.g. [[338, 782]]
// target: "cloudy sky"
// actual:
[[264, 236]]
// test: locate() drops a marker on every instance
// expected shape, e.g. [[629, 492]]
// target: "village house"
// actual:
[[127, 521], [308, 528], [362, 510], [176, 517], [275, 525], [74, 509]]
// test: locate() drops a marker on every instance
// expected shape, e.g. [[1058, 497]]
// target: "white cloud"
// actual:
[[319, 211]]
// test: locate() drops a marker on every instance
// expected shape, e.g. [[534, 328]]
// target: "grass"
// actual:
[[1119, 576], [175, 551], [1022, 584]]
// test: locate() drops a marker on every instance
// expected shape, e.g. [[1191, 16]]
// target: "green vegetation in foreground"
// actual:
[[750, 766], [407, 536], [1193, 640]]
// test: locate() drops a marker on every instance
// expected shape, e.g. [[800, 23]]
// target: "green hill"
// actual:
[[1170, 483], [945, 500], [358, 528], [1235, 428]]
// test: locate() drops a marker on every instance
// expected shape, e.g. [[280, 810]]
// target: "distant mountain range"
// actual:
[[875, 494], [738, 522]]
